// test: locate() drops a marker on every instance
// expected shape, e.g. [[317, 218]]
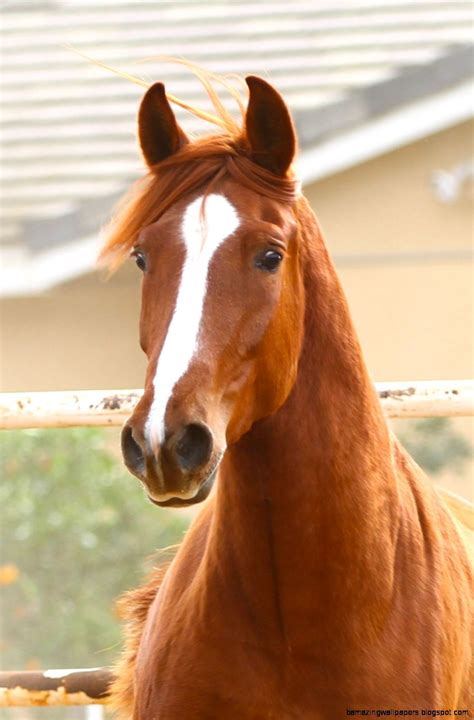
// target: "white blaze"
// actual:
[[202, 233]]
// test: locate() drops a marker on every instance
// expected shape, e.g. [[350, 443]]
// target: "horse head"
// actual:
[[222, 293]]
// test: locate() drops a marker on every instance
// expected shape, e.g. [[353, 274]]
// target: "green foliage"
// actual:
[[79, 530], [435, 444]]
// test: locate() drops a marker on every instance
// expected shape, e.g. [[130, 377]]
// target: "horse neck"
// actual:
[[310, 491]]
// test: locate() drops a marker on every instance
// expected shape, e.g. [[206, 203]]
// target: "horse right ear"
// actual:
[[158, 132]]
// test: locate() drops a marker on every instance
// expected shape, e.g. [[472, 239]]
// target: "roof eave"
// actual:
[[39, 272], [387, 132]]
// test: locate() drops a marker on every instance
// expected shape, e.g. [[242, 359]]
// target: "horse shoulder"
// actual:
[[446, 512], [436, 571]]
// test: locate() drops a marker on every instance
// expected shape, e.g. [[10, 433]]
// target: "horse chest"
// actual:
[[197, 661]]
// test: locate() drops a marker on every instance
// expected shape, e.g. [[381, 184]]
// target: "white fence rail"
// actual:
[[111, 407]]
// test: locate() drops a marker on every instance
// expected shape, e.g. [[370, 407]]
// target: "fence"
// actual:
[[111, 408], [54, 687]]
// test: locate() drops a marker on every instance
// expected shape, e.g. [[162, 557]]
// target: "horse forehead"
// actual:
[[256, 207], [207, 221], [222, 213]]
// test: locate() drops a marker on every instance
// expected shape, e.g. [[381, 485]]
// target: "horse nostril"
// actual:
[[132, 452], [193, 446]]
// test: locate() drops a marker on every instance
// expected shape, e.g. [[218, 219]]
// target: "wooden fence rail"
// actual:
[[112, 407], [55, 687]]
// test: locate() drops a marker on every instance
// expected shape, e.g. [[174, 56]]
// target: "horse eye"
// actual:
[[268, 260], [139, 259]]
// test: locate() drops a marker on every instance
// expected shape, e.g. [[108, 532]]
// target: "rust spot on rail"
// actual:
[[397, 394]]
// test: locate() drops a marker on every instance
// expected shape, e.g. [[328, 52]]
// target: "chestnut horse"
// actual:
[[324, 574]]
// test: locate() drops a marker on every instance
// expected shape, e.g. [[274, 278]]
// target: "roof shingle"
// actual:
[[68, 145]]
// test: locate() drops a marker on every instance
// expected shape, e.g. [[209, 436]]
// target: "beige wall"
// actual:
[[387, 205], [414, 322], [77, 336], [414, 315]]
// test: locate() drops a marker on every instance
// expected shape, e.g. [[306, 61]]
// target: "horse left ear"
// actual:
[[269, 127]]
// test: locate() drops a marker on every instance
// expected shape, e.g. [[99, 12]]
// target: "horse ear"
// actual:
[[158, 131], [269, 127]]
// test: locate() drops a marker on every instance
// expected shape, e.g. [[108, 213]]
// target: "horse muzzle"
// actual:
[[181, 471]]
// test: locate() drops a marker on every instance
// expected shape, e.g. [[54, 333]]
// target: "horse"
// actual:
[[324, 576]]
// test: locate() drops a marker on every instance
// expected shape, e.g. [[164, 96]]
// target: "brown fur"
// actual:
[[325, 573]]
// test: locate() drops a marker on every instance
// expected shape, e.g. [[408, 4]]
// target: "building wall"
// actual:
[[401, 254], [387, 205], [80, 335]]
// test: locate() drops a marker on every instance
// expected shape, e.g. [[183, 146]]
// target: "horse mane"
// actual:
[[132, 610], [200, 163]]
